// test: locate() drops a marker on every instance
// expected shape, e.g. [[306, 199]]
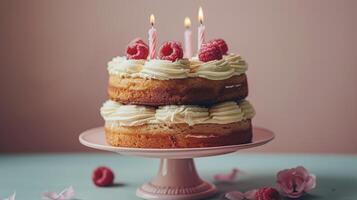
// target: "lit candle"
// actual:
[[201, 29], [152, 38], [188, 38]]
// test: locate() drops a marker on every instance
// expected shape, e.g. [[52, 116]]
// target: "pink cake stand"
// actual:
[[177, 178]]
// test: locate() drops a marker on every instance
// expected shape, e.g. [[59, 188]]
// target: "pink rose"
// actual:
[[227, 177], [295, 182]]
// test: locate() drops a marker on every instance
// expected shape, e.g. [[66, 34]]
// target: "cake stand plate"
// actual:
[[177, 178]]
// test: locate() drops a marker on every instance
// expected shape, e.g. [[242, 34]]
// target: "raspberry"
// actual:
[[267, 193], [171, 50], [221, 44], [137, 49], [208, 52], [102, 176], [139, 41]]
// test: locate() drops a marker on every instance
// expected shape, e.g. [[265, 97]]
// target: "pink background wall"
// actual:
[[302, 57]]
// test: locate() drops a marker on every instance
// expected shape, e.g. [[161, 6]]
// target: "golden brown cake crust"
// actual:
[[179, 135], [193, 91]]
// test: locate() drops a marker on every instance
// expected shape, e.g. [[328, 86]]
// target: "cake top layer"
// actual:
[[212, 62]]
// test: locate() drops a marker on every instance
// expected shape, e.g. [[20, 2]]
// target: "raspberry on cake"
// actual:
[[221, 44], [139, 41], [137, 50], [175, 102], [209, 51], [171, 51]]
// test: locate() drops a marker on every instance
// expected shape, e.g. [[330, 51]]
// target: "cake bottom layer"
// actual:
[[179, 135]]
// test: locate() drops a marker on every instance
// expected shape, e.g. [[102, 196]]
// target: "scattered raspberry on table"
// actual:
[[103, 176]]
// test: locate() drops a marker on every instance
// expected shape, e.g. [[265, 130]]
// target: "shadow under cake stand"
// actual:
[[177, 178]]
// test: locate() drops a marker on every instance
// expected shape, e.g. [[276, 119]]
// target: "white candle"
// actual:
[[188, 38], [201, 29], [152, 38]]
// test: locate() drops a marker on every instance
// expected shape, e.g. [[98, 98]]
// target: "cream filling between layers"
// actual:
[[247, 109], [190, 115], [230, 65], [128, 115], [227, 112], [132, 115]]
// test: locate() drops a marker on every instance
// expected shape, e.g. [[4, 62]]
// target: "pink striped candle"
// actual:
[[201, 29], [152, 38]]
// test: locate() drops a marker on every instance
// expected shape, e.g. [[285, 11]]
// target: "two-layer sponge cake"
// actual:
[[175, 102]]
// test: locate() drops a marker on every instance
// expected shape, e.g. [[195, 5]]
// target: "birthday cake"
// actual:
[[170, 101]]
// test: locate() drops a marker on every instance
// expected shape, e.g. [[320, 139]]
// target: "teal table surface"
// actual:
[[30, 175]]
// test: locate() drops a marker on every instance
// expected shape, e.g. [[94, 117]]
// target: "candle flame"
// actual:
[[187, 22], [200, 15], [152, 20]]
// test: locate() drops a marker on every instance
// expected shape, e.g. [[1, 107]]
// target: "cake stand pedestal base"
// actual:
[[177, 179]]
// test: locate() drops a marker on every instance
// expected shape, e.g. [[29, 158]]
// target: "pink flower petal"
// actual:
[[49, 195], [294, 195], [283, 174], [11, 197], [66, 194], [230, 177], [234, 195], [286, 183], [301, 171], [250, 194], [310, 183], [299, 184]]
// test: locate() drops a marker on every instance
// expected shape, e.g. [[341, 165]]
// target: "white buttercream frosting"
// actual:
[[127, 115], [225, 113], [247, 108], [230, 65], [122, 66], [182, 114], [237, 63], [213, 70], [133, 115], [165, 69]]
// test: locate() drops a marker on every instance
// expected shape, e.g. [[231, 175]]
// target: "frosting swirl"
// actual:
[[225, 113], [132, 115], [127, 115], [247, 109], [165, 69], [237, 63], [230, 65], [122, 66], [182, 114], [213, 70]]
